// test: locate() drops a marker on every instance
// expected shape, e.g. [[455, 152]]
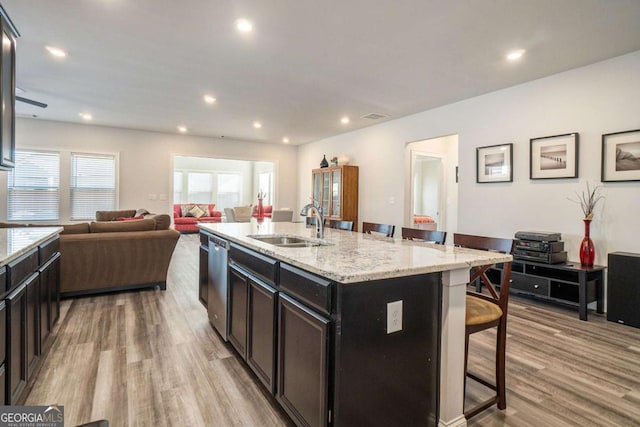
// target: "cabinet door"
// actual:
[[3, 352], [33, 323], [7, 97], [238, 311], [203, 284], [326, 187], [261, 343], [16, 367], [49, 297], [303, 384], [317, 186], [336, 193]]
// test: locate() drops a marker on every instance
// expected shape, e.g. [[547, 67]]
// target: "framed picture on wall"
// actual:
[[552, 157], [494, 163], [621, 156]]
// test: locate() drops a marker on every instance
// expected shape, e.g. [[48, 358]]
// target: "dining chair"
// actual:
[[281, 215], [486, 310], [228, 214], [386, 229], [437, 237], [339, 224]]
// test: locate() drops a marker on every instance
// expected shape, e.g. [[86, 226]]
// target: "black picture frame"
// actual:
[[494, 163], [554, 157], [620, 160]]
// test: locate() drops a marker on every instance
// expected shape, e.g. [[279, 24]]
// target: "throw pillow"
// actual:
[[196, 211], [205, 210], [141, 212], [186, 208], [124, 218]]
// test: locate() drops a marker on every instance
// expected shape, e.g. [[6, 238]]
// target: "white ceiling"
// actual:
[[146, 64]]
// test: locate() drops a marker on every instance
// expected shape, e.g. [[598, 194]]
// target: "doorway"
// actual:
[[432, 196]]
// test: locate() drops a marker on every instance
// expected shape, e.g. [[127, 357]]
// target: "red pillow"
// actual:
[[122, 218]]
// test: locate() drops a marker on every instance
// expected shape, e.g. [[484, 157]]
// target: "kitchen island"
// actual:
[[352, 329], [29, 305]]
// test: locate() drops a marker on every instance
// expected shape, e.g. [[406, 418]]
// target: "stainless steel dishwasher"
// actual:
[[218, 289]]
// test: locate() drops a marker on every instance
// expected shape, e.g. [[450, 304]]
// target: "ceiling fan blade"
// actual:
[[31, 101]]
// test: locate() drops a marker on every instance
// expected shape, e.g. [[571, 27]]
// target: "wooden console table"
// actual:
[[568, 283]]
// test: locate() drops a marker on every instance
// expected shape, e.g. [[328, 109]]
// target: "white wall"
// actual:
[[146, 158], [600, 98]]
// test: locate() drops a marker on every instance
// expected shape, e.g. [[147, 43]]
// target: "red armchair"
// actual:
[[187, 224]]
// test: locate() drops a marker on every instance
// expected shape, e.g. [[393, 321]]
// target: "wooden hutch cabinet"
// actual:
[[336, 188]]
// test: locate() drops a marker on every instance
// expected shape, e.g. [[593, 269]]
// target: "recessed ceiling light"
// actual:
[[257, 125], [182, 129], [285, 140], [244, 25], [57, 52], [515, 55], [86, 116], [209, 99], [344, 120]]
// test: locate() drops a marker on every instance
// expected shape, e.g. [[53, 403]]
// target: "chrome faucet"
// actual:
[[315, 206]]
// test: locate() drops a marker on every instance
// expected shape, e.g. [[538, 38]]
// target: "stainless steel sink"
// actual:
[[288, 241]]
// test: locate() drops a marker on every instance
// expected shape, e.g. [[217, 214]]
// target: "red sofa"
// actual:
[[187, 224]]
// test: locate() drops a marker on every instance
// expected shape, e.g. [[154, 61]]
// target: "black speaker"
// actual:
[[623, 288]]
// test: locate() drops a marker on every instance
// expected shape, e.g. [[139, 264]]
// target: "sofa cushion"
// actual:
[[81, 228], [113, 215], [177, 210], [119, 226]]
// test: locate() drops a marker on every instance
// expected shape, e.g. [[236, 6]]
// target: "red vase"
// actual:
[[587, 250], [260, 210]]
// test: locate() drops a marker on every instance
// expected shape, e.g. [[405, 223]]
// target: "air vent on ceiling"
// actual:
[[373, 116]]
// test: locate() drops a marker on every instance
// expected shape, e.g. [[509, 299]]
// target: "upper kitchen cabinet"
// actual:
[[7, 90], [336, 188]]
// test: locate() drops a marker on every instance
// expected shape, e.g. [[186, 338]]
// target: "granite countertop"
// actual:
[[351, 257], [17, 241]]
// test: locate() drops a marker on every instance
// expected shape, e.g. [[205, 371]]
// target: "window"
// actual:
[[199, 187], [177, 187], [265, 185], [228, 190], [34, 187], [93, 184]]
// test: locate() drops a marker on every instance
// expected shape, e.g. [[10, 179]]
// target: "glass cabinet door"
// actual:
[[317, 187], [326, 180], [335, 193]]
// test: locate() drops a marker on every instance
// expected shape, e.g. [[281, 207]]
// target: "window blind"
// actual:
[[33, 187], [93, 184]]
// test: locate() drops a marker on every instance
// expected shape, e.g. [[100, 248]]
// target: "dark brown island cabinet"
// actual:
[[29, 308], [322, 349]]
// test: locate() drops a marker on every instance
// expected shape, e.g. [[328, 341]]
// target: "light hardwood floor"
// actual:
[[150, 358]]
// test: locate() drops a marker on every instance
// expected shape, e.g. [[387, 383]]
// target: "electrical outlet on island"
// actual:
[[394, 316]]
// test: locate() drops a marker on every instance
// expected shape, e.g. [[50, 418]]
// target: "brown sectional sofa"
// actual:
[[107, 256]]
